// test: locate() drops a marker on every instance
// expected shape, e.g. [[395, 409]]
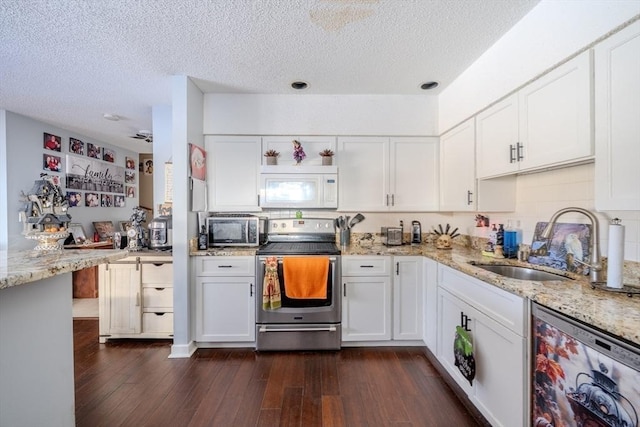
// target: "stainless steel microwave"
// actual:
[[311, 187], [236, 230]]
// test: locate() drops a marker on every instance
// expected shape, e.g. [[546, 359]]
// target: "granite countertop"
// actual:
[[227, 251], [20, 267], [613, 312]]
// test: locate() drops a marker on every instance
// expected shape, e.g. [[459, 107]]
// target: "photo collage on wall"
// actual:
[[92, 178]]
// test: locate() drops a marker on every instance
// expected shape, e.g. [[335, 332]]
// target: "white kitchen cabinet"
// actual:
[[458, 168], [546, 123], [233, 167], [496, 323], [312, 146], [617, 121], [366, 298], [388, 174], [430, 304], [407, 298], [225, 301], [136, 298]]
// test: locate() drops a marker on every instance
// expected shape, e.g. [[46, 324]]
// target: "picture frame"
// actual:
[[130, 163], [94, 151], [108, 155], [125, 226], [52, 142], [51, 163], [77, 232], [74, 199], [76, 146], [104, 228]]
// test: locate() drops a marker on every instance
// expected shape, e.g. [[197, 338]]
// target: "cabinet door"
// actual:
[[555, 115], [366, 309], [233, 165], [430, 304], [497, 137], [413, 174], [617, 105], [364, 174], [120, 299], [225, 309], [407, 298], [499, 387], [457, 168]]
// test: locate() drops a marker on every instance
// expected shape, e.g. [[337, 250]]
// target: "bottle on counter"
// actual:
[[493, 238], [512, 240], [203, 239]]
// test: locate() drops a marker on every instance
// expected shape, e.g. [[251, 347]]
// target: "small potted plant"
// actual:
[[272, 157], [327, 157]]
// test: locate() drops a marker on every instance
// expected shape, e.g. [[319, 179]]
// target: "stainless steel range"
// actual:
[[301, 309]]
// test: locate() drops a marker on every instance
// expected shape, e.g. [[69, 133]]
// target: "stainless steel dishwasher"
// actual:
[[582, 376]]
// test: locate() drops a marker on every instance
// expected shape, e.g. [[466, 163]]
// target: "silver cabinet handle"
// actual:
[[344, 289], [519, 150], [250, 289], [327, 329], [512, 153], [469, 194]]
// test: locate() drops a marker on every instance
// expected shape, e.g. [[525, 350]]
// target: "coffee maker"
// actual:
[[416, 232], [161, 233]]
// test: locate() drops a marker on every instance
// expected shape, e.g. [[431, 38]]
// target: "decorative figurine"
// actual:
[[298, 152], [136, 241]]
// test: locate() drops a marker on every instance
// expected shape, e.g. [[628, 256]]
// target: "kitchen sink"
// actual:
[[521, 273]]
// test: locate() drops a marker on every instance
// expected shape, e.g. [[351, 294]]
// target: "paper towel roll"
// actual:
[[615, 256]]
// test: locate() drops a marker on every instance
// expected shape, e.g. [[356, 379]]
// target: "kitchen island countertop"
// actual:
[[20, 267]]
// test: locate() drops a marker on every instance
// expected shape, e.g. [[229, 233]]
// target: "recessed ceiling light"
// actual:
[[112, 117], [299, 85], [429, 85]]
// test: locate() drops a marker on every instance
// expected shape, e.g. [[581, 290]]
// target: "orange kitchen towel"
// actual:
[[271, 299], [305, 277]]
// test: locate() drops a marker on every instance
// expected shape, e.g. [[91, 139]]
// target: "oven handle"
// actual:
[[327, 329], [263, 262]]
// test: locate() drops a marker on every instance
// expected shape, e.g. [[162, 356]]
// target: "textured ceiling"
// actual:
[[67, 62]]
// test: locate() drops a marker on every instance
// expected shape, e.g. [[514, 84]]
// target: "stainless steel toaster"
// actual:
[[391, 236]]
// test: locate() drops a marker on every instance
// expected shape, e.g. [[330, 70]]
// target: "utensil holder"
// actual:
[[345, 237]]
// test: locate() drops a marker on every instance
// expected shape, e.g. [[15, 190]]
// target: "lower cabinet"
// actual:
[[499, 345], [407, 298], [225, 300], [136, 298], [366, 298]]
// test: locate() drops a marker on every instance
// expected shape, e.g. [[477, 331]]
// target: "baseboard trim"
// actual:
[[182, 351]]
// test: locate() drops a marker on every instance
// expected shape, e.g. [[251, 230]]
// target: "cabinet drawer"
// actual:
[[155, 298], [503, 307], [155, 274], [225, 266], [366, 266], [157, 323]]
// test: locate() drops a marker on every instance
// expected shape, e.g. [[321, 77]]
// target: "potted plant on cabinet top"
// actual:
[[272, 157], [327, 157]]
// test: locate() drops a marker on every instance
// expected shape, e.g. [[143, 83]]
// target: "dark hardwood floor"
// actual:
[[133, 383]]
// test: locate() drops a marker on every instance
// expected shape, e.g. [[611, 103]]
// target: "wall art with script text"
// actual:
[[84, 173]]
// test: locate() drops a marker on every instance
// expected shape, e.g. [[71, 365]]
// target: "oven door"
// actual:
[[300, 311]]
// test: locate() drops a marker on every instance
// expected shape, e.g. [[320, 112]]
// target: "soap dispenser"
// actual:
[[416, 233]]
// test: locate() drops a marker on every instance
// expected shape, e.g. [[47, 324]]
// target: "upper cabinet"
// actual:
[[233, 166], [388, 174], [617, 127], [546, 123], [457, 168]]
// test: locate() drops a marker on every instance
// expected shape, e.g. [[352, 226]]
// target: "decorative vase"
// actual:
[[272, 160], [327, 160]]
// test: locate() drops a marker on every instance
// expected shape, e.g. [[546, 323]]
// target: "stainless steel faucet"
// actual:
[[595, 262]]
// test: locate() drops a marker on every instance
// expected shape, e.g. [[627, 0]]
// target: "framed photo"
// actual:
[[78, 234], [131, 191], [148, 167], [51, 163], [104, 228], [125, 226], [91, 200], [197, 162], [106, 200], [108, 155], [129, 177], [52, 142], [130, 163], [74, 199], [118, 201], [76, 146], [94, 151]]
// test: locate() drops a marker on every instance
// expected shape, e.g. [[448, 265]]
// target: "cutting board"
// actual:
[[568, 242]]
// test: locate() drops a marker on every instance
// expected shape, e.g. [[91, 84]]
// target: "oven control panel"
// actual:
[[301, 225]]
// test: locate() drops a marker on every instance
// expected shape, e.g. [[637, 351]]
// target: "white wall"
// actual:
[[551, 32], [320, 115], [162, 150], [3, 181], [23, 165]]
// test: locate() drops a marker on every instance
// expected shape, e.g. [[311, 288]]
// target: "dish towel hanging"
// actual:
[[305, 277], [271, 286]]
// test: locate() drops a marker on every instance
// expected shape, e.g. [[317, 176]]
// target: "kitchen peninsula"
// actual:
[[36, 334]]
